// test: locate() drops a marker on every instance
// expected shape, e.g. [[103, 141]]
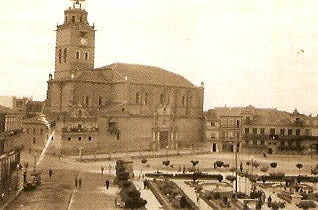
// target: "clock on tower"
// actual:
[[75, 42]]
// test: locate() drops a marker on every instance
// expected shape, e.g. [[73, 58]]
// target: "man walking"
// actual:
[[79, 182], [50, 173], [107, 184]]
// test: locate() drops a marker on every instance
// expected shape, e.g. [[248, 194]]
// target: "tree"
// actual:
[[273, 165], [299, 166], [219, 163], [194, 162], [166, 162], [314, 171], [306, 205], [232, 169], [264, 169], [256, 164], [231, 179]]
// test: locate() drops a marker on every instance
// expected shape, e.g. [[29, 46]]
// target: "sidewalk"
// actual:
[[152, 202], [191, 193], [93, 193], [132, 155]]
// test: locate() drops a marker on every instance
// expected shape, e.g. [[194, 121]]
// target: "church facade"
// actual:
[[118, 107]]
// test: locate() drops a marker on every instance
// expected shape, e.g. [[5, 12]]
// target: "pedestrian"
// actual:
[[75, 182], [102, 170], [107, 184], [24, 177], [145, 184], [269, 200], [50, 172], [79, 182]]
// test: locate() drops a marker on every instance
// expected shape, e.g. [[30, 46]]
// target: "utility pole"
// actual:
[[236, 171]]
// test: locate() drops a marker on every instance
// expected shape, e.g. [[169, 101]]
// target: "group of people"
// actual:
[[78, 182]]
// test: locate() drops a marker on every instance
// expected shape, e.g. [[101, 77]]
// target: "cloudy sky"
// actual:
[[245, 51]]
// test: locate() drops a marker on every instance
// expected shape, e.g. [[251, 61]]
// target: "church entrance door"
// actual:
[[163, 139]]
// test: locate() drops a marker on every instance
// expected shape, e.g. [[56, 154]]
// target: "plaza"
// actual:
[[59, 191]]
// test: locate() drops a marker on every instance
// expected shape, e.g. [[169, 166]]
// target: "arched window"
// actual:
[[162, 98], [65, 55], [87, 101], [73, 19], [77, 55], [79, 138], [137, 98], [183, 101], [100, 101], [69, 138], [90, 138], [33, 140], [60, 55], [146, 98], [86, 56], [81, 19]]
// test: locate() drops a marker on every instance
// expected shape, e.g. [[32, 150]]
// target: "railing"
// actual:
[[79, 130]]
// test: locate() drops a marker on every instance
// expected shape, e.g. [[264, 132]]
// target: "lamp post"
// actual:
[[80, 154], [34, 166], [167, 151], [252, 162]]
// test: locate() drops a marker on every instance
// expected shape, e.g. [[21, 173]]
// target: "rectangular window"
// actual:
[[272, 131], [77, 55], [254, 130], [247, 130], [282, 132], [297, 132], [290, 131], [262, 131]]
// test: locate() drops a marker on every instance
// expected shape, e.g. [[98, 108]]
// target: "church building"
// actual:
[[118, 107]]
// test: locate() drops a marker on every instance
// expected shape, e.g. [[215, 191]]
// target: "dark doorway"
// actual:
[[163, 139], [213, 147], [270, 151]]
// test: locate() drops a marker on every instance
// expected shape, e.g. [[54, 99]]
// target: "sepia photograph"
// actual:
[[159, 104]]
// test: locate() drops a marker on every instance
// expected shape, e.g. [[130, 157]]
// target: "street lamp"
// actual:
[[167, 151], [80, 154]]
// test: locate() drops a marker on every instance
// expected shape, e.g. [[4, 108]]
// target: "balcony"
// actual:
[[277, 137], [79, 130]]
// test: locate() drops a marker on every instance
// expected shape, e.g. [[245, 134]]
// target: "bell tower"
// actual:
[[75, 43]]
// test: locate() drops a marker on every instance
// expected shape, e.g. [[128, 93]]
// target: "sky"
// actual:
[[246, 52]]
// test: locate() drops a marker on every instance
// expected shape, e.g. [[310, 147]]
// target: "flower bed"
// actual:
[[285, 196], [171, 192]]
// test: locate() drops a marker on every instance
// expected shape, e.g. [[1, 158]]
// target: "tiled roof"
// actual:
[[5, 110], [228, 111], [147, 75], [211, 115], [91, 76], [275, 117]]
